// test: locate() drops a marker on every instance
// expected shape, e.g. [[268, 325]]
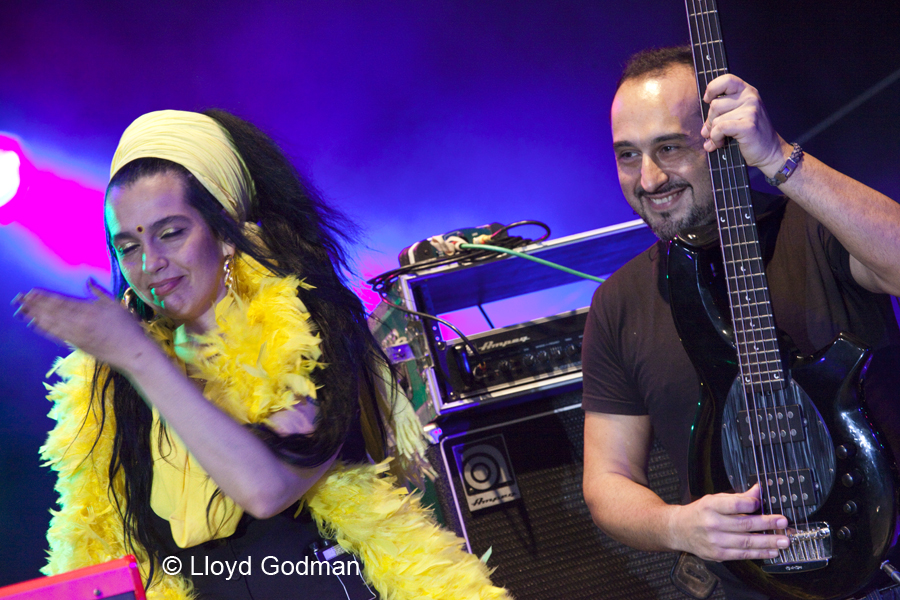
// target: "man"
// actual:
[[835, 260]]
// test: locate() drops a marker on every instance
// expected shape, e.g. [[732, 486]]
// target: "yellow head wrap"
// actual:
[[199, 144]]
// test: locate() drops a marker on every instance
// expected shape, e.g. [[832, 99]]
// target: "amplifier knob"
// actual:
[[542, 356], [571, 350], [556, 354], [480, 371], [504, 365], [528, 360]]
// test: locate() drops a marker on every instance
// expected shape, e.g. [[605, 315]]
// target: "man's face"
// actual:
[[662, 166]]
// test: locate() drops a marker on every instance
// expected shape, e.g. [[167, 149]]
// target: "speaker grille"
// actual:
[[545, 544]]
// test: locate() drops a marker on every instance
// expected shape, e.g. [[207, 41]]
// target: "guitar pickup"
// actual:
[[787, 489], [766, 426]]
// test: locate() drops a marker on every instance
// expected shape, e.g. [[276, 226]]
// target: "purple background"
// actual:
[[414, 117]]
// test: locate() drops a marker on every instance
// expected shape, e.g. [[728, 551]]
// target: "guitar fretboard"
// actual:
[[751, 310]]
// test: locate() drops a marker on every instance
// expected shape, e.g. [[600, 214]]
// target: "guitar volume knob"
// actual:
[[845, 534], [850, 507], [851, 478], [845, 451]]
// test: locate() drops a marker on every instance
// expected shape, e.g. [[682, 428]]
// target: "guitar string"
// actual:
[[702, 64], [756, 324], [731, 190], [759, 317], [734, 217], [741, 280], [776, 389], [766, 384], [704, 68]]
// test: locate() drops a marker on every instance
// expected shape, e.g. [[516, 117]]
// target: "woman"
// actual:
[[222, 411]]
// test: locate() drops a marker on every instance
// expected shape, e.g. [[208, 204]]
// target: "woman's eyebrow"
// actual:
[[155, 226]]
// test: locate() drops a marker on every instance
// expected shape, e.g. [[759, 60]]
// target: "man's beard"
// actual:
[[666, 227]]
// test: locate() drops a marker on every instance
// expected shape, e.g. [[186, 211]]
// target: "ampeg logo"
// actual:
[[493, 344], [486, 472]]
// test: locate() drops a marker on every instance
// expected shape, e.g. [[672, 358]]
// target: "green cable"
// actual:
[[529, 257]]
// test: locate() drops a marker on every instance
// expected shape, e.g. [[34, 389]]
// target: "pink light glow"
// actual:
[[65, 215]]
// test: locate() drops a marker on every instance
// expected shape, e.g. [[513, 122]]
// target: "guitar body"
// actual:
[[854, 487]]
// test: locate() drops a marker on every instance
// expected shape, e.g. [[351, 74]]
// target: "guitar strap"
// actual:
[[691, 577]]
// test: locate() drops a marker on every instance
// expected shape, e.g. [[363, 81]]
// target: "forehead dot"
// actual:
[[140, 229]]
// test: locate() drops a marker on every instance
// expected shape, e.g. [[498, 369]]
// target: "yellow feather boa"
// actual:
[[257, 364]]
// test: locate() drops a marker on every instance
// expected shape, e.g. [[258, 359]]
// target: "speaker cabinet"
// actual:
[[510, 481]]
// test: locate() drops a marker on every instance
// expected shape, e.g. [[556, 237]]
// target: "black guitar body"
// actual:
[[858, 499]]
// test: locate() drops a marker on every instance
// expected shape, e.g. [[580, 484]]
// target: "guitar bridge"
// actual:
[[810, 549]]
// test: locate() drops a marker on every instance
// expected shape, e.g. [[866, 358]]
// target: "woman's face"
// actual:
[[167, 253]]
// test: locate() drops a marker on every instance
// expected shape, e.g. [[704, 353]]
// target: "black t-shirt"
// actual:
[[273, 558], [633, 361]]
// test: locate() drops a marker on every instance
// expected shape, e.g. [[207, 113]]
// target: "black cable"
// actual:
[[444, 322], [519, 224], [381, 283], [486, 317], [384, 280]]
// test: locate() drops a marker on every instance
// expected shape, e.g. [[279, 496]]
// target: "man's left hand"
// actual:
[[737, 111]]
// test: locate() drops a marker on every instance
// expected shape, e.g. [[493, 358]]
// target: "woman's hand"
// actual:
[[240, 464], [98, 324], [300, 418]]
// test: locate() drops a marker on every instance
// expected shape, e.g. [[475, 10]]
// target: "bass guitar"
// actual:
[[796, 425]]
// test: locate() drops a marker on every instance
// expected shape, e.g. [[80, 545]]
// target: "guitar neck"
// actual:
[[751, 310]]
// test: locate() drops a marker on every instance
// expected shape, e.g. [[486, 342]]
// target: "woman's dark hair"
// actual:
[[300, 235]]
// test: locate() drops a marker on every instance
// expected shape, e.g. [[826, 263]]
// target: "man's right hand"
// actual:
[[722, 527], [716, 527]]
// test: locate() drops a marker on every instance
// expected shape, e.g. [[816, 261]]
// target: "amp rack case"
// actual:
[[440, 375]]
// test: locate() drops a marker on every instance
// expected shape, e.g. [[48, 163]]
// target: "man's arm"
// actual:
[[716, 527], [865, 221]]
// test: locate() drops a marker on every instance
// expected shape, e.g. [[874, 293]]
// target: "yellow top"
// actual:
[[182, 491]]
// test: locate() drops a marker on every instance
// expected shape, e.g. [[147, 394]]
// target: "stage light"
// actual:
[[9, 176]]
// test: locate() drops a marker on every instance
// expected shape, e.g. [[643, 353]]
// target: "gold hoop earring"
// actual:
[[229, 274], [128, 300]]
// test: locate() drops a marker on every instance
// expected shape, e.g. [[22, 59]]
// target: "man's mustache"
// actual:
[[669, 187]]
